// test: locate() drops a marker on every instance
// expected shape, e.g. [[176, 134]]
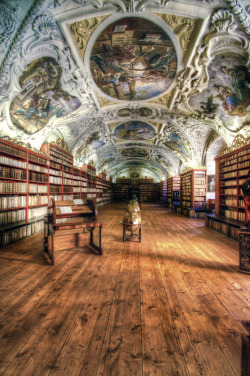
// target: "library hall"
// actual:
[[124, 187]]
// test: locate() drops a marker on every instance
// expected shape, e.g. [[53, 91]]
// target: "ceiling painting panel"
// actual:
[[134, 152], [228, 94], [131, 90], [42, 96], [143, 112], [135, 130], [133, 59]]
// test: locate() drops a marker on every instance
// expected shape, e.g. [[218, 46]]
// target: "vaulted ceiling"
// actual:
[[134, 86]]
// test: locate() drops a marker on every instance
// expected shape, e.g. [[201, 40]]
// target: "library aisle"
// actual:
[[170, 305]]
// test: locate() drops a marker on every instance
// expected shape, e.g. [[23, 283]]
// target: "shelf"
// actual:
[[11, 209]]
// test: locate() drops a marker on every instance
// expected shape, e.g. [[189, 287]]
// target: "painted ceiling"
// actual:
[[137, 87]]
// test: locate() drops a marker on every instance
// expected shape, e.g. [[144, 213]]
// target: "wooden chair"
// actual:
[[71, 224]]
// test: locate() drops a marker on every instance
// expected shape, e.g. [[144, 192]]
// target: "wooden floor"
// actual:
[[171, 305]]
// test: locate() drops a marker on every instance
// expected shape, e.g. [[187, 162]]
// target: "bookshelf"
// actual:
[[163, 191], [30, 180], [148, 190], [193, 190], [24, 176], [173, 191], [61, 181], [231, 171]]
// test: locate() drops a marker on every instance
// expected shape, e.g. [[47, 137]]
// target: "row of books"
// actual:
[[38, 159], [244, 158], [228, 161], [12, 173], [228, 183], [13, 162], [200, 205], [12, 202], [22, 232], [13, 187], [243, 164], [38, 168], [37, 212], [12, 216], [200, 181], [199, 174], [200, 191], [243, 152], [60, 154], [229, 202], [38, 200], [232, 174], [55, 172], [232, 214], [12, 150], [36, 176], [243, 172], [229, 191], [36, 188], [55, 180], [229, 168]]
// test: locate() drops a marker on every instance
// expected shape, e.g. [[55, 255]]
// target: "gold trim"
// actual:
[[163, 100], [22, 144], [104, 101], [91, 163], [183, 28], [82, 31], [61, 144], [189, 169], [238, 142]]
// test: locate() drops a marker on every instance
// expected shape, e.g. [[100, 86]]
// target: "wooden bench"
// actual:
[[71, 225]]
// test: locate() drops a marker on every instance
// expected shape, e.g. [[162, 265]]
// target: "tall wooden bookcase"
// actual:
[[24, 176], [173, 190], [163, 190], [231, 172], [193, 192], [30, 180]]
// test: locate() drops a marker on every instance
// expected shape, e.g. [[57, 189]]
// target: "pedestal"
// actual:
[[244, 249]]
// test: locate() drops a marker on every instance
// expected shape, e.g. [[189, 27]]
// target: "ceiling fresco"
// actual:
[[134, 130], [42, 96], [133, 59], [141, 87], [228, 92]]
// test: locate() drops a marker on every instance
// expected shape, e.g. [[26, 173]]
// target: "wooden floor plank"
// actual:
[[122, 352], [171, 305]]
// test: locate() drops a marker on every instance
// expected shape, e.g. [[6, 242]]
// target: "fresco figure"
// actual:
[[240, 78]]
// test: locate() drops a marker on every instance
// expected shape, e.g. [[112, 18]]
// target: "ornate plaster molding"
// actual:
[[241, 13], [82, 31], [16, 44], [224, 36], [238, 142], [183, 28], [104, 101]]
